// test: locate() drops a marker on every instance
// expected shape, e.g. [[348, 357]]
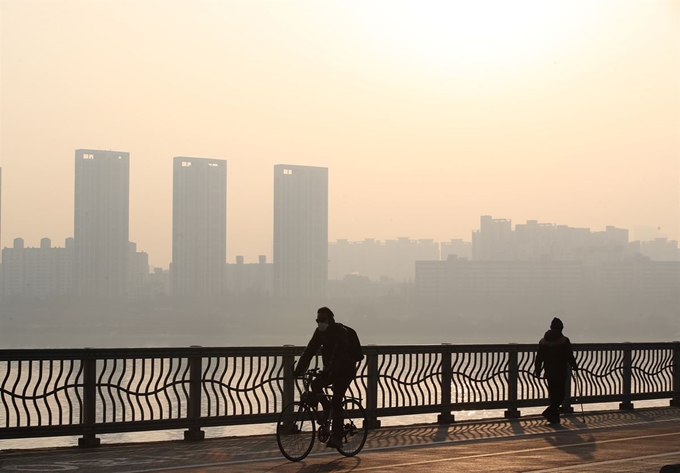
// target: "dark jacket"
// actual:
[[334, 344], [554, 352]]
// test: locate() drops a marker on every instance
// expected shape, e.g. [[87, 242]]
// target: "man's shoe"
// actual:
[[334, 442]]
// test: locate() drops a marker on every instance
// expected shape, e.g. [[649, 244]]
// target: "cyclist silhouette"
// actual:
[[339, 368]]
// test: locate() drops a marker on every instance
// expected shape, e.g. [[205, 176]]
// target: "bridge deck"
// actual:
[[633, 441]]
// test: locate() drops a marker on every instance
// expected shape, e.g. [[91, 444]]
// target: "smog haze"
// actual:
[[427, 114], [211, 172]]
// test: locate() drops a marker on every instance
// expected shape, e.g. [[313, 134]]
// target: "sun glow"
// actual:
[[479, 34]]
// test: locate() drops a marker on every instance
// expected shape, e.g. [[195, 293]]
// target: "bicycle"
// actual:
[[296, 429]]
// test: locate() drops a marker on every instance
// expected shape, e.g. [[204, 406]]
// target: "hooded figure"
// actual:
[[554, 353]]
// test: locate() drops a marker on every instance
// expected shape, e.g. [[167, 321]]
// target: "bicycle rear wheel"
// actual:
[[295, 431], [354, 431]]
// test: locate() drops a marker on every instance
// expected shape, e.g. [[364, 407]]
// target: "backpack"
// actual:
[[354, 344]]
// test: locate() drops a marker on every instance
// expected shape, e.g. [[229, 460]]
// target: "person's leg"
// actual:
[[318, 384], [339, 388], [548, 411], [556, 386]]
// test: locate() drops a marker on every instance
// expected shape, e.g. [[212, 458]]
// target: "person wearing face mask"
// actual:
[[339, 367]]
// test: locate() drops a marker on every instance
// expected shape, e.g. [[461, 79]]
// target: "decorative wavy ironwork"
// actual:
[[33, 396], [409, 379], [528, 385], [479, 376], [242, 385], [151, 388], [652, 370], [141, 389], [600, 372]]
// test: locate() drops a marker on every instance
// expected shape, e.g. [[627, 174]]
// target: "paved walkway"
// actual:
[[636, 442]]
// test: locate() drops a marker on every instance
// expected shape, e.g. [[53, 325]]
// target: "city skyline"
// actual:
[[101, 261], [429, 115], [254, 253], [576, 258], [648, 231]]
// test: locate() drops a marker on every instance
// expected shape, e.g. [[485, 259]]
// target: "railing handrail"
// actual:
[[179, 352]]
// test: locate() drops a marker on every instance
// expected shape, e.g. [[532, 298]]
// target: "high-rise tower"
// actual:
[[300, 230], [199, 226], [101, 222]]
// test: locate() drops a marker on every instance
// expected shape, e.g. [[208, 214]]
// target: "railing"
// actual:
[[87, 392]]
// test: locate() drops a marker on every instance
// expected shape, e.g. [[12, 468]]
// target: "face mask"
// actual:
[[322, 326]]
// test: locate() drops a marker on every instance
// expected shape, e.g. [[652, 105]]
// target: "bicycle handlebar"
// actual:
[[308, 376]]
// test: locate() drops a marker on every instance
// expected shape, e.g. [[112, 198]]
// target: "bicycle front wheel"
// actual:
[[354, 431], [295, 431]]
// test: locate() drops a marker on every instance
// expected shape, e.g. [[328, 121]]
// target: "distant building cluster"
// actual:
[[389, 260], [533, 241], [495, 241], [499, 261], [38, 272], [546, 261], [49, 271]]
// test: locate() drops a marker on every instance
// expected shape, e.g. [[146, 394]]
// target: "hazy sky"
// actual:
[[428, 114]]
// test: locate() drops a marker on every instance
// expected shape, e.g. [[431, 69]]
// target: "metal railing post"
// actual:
[[445, 417], [288, 379], [194, 402], [676, 375], [372, 390], [513, 375], [88, 414], [627, 377]]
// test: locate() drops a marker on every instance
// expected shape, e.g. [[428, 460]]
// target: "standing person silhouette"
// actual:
[[554, 353], [339, 367]]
